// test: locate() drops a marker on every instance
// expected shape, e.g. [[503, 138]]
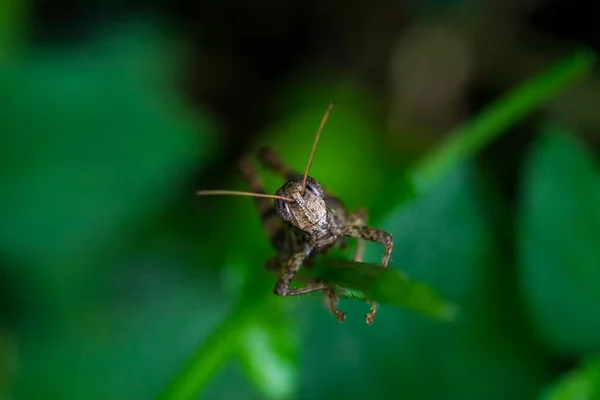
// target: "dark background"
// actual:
[[112, 272]]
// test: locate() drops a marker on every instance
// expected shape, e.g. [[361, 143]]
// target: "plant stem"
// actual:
[[213, 353], [496, 118]]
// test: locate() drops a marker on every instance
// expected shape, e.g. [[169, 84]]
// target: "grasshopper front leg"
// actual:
[[282, 286], [374, 235]]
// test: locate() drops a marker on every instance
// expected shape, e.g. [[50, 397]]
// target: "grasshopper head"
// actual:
[[307, 209]]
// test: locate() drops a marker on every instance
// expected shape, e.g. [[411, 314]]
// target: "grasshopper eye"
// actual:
[[314, 187], [283, 209]]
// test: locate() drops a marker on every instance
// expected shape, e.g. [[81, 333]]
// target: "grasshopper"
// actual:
[[304, 222]]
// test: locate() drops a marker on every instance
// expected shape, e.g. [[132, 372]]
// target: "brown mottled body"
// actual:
[[312, 223]]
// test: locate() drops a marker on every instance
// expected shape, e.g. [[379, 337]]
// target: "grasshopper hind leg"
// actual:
[[272, 223], [270, 159]]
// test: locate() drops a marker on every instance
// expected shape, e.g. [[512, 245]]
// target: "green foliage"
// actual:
[[559, 230], [385, 286], [497, 118], [92, 146], [347, 156], [125, 282], [215, 351], [269, 354], [442, 238], [580, 384]]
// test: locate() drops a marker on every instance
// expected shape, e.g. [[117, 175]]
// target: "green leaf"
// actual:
[[213, 352], [95, 140], [559, 233], [580, 384], [128, 336], [96, 143], [446, 239], [268, 353], [385, 286], [497, 117]]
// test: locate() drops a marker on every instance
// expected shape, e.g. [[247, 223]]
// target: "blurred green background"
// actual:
[[469, 130]]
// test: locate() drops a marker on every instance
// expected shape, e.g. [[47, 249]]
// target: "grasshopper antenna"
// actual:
[[314, 149], [236, 193]]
